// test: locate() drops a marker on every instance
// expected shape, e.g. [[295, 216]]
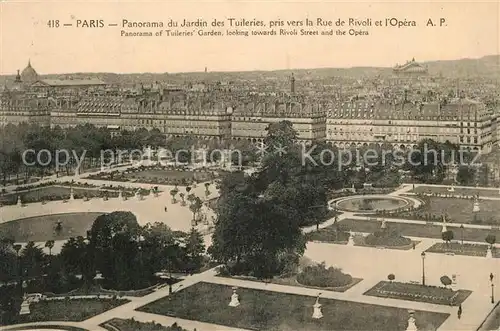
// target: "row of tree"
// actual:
[[126, 254]]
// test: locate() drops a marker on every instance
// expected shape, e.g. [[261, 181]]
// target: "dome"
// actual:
[[29, 75]]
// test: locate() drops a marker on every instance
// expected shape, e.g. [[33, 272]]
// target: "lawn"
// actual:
[[42, 228], [75, 310], [419, 293], [50, 327], [50, 193], [458, 249], [458, 191], [458, 211], [265, 310], [156, 176], [410, 230]]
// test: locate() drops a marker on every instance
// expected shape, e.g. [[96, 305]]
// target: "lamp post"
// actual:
[[492, 288], [462, 233], [423, 268]]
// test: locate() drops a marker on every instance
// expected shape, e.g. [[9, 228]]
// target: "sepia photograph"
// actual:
[[273, 165]]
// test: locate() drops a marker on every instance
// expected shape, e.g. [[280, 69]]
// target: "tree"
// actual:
[[173, 193], [466, 175], [391, 277], [447, 236], [49, 244], [76, 257], [195, 207], [445, 280], [491, 239], [114, 246], [32, 260], [195, 248]]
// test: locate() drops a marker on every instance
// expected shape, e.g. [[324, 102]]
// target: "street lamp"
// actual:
[[462, 229], [492, 289], [423, 268]]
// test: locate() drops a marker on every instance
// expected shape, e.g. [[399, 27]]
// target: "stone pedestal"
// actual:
[[444, 228], [488, 253], [411, 323], [476, 208], [19, 202], [120, 195], [71, 195], [25, 308], [317, 314], [454, 283], [235, 301], [350, 241]]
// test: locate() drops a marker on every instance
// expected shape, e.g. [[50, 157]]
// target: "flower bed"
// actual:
[[459, 249], [417, 292], [319, 276], [119, 324]]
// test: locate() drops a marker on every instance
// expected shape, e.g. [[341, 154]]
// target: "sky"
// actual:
[[471, 31]]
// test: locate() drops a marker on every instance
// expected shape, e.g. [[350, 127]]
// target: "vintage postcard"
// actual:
[[249, 165]]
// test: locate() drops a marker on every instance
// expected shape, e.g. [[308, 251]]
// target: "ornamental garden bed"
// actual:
[[57, 193], [458, 191], [75, 310], [417, 292], [157, 175], [336, 233], [50, 327], [119, 324], [267, 310], [315, 277], [457, 211], [418, 230], [459, 249]]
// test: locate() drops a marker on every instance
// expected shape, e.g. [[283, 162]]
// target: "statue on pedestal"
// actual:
[[120, 195], [444, 228], [235, 301], [411, 322], [350, 241], [19, 202], [25, 307], [138, 194], [489, 255], [476, 208], [71, 194], [317, 314]]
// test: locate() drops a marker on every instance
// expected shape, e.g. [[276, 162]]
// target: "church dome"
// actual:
[[29, 75]]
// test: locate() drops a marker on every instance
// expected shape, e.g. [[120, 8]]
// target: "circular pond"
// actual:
[[371, 203], [48, 227]]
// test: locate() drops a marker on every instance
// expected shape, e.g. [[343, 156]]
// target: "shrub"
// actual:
[[391, 277], [319, 276]]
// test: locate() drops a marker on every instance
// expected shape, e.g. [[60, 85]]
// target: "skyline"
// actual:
[[235, 71], [472, 32]]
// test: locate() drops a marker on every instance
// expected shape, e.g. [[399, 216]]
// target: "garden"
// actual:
[[417, 292], [456, 210], [161, 175], [459, 249], [265, 310], [53, 192], [406, 229], [119, 324], [307, 274], [49, 227], [457, 191], [68, 309]]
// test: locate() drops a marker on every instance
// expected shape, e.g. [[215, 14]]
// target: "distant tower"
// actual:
[[292, 84], [18, 77]]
